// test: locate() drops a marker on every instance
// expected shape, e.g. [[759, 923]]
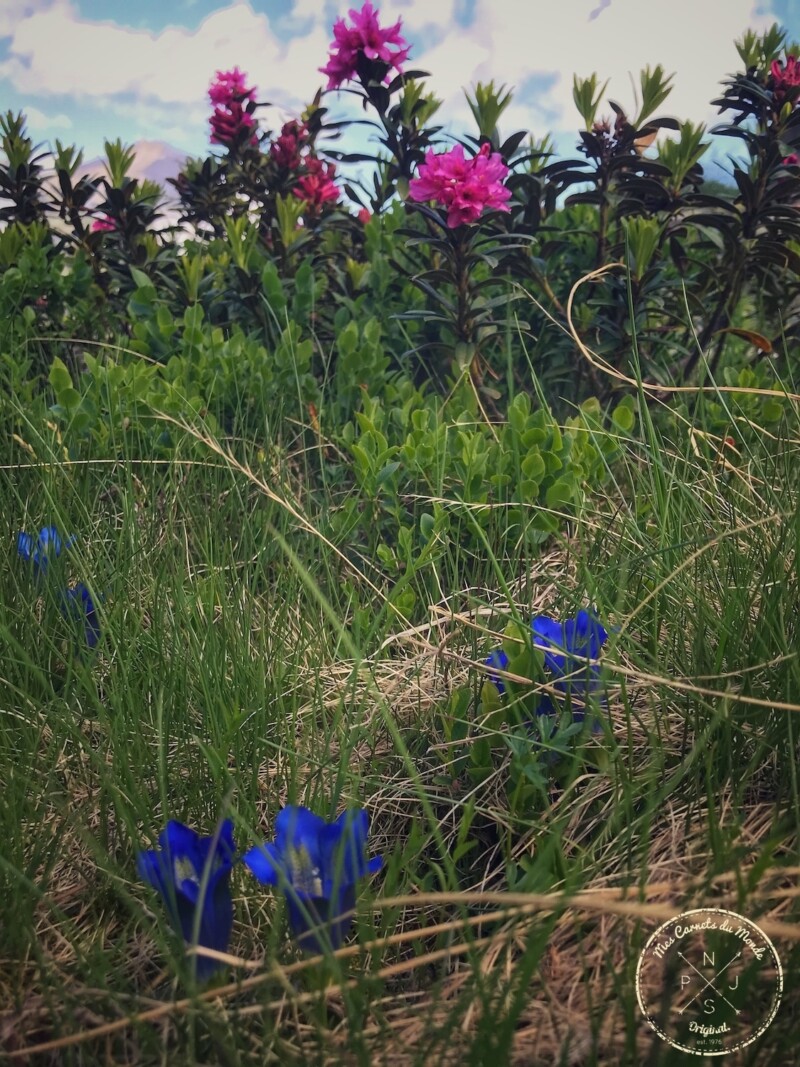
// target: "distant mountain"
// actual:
[[156, 160]]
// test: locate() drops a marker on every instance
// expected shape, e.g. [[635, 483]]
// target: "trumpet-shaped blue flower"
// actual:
[[192, 875], [316, 864], [499, 660], [567, 647], [78, 604], [565, 643], [47, 545]]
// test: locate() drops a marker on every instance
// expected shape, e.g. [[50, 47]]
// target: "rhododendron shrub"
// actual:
[[309, 177], [363, 51], [482, 215], [260, 175], [465, 188]]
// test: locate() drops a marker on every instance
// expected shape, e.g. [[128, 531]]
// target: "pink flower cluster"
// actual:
[[785, 75], [792, 160], [230, 94], [364, 35], [285, 149], [105, 224], [316, 186], [291, 151], [464, 186]]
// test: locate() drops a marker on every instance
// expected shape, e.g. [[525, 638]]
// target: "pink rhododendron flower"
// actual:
[[285, 150], [230, 94], [316, 187], [785, 75], [227, 125], [464, 186], [230, 84], [365, 35], [105, 224]]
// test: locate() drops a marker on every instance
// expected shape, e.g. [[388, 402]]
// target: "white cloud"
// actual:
[[12, 11], [509, 40], [152, 120], [161, 79], [303, 11], [55, 52], [39, 122]]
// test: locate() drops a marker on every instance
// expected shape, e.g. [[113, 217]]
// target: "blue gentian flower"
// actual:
[[499, 660], [77, 604], [316, 864], [576, 639], [48, 545], [567, 646], [192, 875]]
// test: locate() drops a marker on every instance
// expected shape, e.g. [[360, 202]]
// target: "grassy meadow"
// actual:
[[247, 663]]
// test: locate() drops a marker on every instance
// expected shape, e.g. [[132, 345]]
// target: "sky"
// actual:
[[86, 70]]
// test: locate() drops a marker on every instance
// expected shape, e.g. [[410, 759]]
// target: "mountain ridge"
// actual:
[[154, 160]]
